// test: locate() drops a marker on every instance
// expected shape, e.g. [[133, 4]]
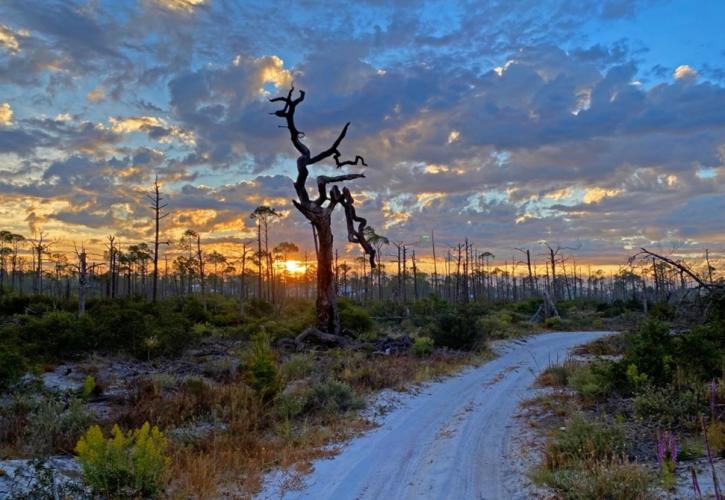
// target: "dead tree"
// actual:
[[156, 205], [40, 247], [319, 210]]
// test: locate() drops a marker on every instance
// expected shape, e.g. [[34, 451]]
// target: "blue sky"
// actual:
[[595, 124]]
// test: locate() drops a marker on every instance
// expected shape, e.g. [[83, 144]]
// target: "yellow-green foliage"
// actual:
[[496, 325], [259, 367], [89, 385], [124, 465], [716, 437], [423, 347]]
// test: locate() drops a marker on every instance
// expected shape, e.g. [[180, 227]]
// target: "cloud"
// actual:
[[180, 5], [6, 114], [96, 95], [685, 73], [156, 128], [9, 39]]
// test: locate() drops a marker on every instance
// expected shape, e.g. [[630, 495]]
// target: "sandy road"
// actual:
[[452, 441]]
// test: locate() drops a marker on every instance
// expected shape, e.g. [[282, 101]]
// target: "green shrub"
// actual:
[[354, 317], [334, 396], [259, 367], [89, 387], [594, 381], [456, 331], [496, 325], [651, 349], [422, 347], [669, 406], [12, 366], [127, 465]]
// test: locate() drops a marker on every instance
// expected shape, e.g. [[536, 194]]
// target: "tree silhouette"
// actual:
[[319, 210]]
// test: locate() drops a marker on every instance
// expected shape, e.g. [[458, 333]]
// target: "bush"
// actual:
[[670, 407], [651, 350], [52, 427], [496, 325], [354, 317], [259, 368], [422, 347], [334, 396], [124, 465], [12, 365], [594, 381], [455, 330]]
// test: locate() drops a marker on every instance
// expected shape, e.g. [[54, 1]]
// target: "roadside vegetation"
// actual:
[[182, 398], [639, 415]]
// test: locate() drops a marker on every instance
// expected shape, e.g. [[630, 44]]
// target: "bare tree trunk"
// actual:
[[328, 318]]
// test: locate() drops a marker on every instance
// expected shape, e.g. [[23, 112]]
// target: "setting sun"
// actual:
[[294, 266]]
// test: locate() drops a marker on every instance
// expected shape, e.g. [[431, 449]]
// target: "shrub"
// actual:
[[51, 427], [422, 347], [594, 381], [354, 317], [124, 465], [12, 365], [89, 387], [334, 396], [455, 330], [259, 367], [496, 325], [289, 406], [651, 350], [670, 407]]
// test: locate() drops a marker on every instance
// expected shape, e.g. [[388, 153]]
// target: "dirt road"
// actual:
[[451, 441]]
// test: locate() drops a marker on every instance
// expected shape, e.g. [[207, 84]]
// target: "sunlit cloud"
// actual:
[[6, 114], [685, 73], [597, 194], [9, 39], [180, 5], [96, 95], [155, 127]]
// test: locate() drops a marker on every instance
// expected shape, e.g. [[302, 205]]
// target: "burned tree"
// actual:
[[319, 210], [157, 206]]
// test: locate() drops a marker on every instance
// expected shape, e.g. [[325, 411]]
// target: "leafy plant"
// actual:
[[422, 347], [124, 465], [259, 367]]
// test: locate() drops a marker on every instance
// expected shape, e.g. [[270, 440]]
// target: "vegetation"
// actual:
[[124, 465], [662, 382]]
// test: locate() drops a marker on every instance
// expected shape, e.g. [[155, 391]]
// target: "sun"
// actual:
[[294, 266]]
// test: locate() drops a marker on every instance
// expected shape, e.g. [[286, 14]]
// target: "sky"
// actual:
[[595, 125]]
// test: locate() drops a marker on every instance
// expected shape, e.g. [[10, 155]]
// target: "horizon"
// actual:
[[596, 126]]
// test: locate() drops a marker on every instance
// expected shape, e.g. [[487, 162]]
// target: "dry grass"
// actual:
[[249, 436]]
